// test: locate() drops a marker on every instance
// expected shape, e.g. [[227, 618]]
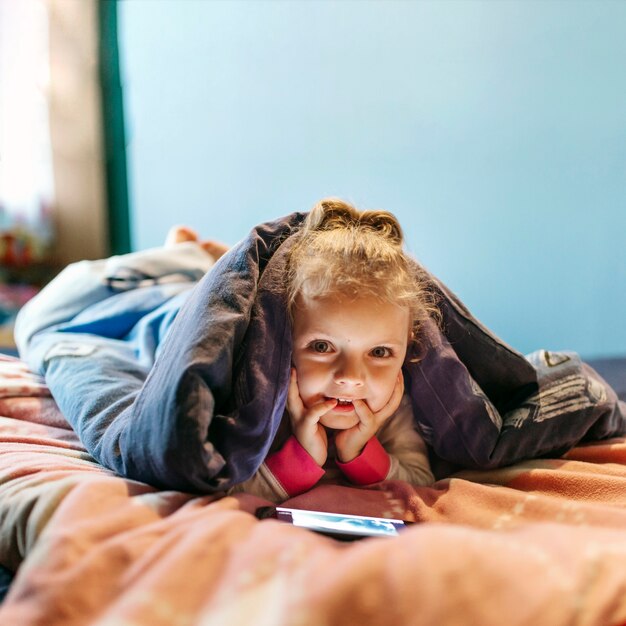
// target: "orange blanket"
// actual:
[[542, 542]]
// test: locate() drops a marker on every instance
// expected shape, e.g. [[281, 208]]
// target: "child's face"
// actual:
[[348, 349]]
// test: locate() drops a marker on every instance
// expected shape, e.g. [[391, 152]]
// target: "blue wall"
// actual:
[[496, 131]]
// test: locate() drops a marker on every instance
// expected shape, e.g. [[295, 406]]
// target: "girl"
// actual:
[[354, 302], [355, 305]]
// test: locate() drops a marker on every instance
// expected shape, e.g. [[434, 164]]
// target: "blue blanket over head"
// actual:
[[175, 373]]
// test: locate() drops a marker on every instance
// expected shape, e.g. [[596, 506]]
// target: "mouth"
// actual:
[[344, 405]]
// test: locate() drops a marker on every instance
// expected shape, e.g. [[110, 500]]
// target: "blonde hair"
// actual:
[[341, 251]]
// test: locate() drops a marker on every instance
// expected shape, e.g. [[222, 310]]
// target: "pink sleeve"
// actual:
[[294, 467], [371, 466]]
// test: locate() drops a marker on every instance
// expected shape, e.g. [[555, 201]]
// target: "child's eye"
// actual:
[[320, 346], [381, 352]]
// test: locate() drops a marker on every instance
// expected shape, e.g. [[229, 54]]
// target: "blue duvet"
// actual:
[[175, 373]]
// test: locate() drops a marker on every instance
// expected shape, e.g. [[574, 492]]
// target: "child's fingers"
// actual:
[[296, 408], [314, 414], [394, 402], [363, 411], [398, 390], [367, 416], [294, 401]]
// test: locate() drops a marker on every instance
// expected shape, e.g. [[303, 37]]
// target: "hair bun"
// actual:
[[334, 213], [385, 223]]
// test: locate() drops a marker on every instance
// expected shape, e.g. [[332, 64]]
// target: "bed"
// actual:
[[539, 542], [128, 525]]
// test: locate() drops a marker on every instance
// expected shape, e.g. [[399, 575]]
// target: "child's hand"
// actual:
[[350, 442], [305, 422]]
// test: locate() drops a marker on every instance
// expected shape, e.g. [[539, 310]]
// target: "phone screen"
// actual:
[[339, 524]]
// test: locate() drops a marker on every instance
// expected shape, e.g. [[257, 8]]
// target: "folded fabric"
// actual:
[[185, 388]]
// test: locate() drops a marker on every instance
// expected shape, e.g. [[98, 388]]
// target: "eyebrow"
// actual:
[[315, 334]]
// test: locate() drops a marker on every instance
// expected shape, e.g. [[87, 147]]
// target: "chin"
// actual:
[[339, 422]]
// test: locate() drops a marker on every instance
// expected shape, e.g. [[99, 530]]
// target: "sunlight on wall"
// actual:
[[26, 181]]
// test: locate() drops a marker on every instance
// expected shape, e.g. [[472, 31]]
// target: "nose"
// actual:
[[348, 373]]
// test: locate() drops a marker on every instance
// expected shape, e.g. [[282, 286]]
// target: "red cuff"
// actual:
[[294, 467], [371, 466]]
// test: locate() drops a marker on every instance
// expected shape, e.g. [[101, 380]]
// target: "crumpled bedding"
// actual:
[[184, 388], [539, 542]]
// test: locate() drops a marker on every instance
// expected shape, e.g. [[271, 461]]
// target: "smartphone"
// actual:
[[338, 525]]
